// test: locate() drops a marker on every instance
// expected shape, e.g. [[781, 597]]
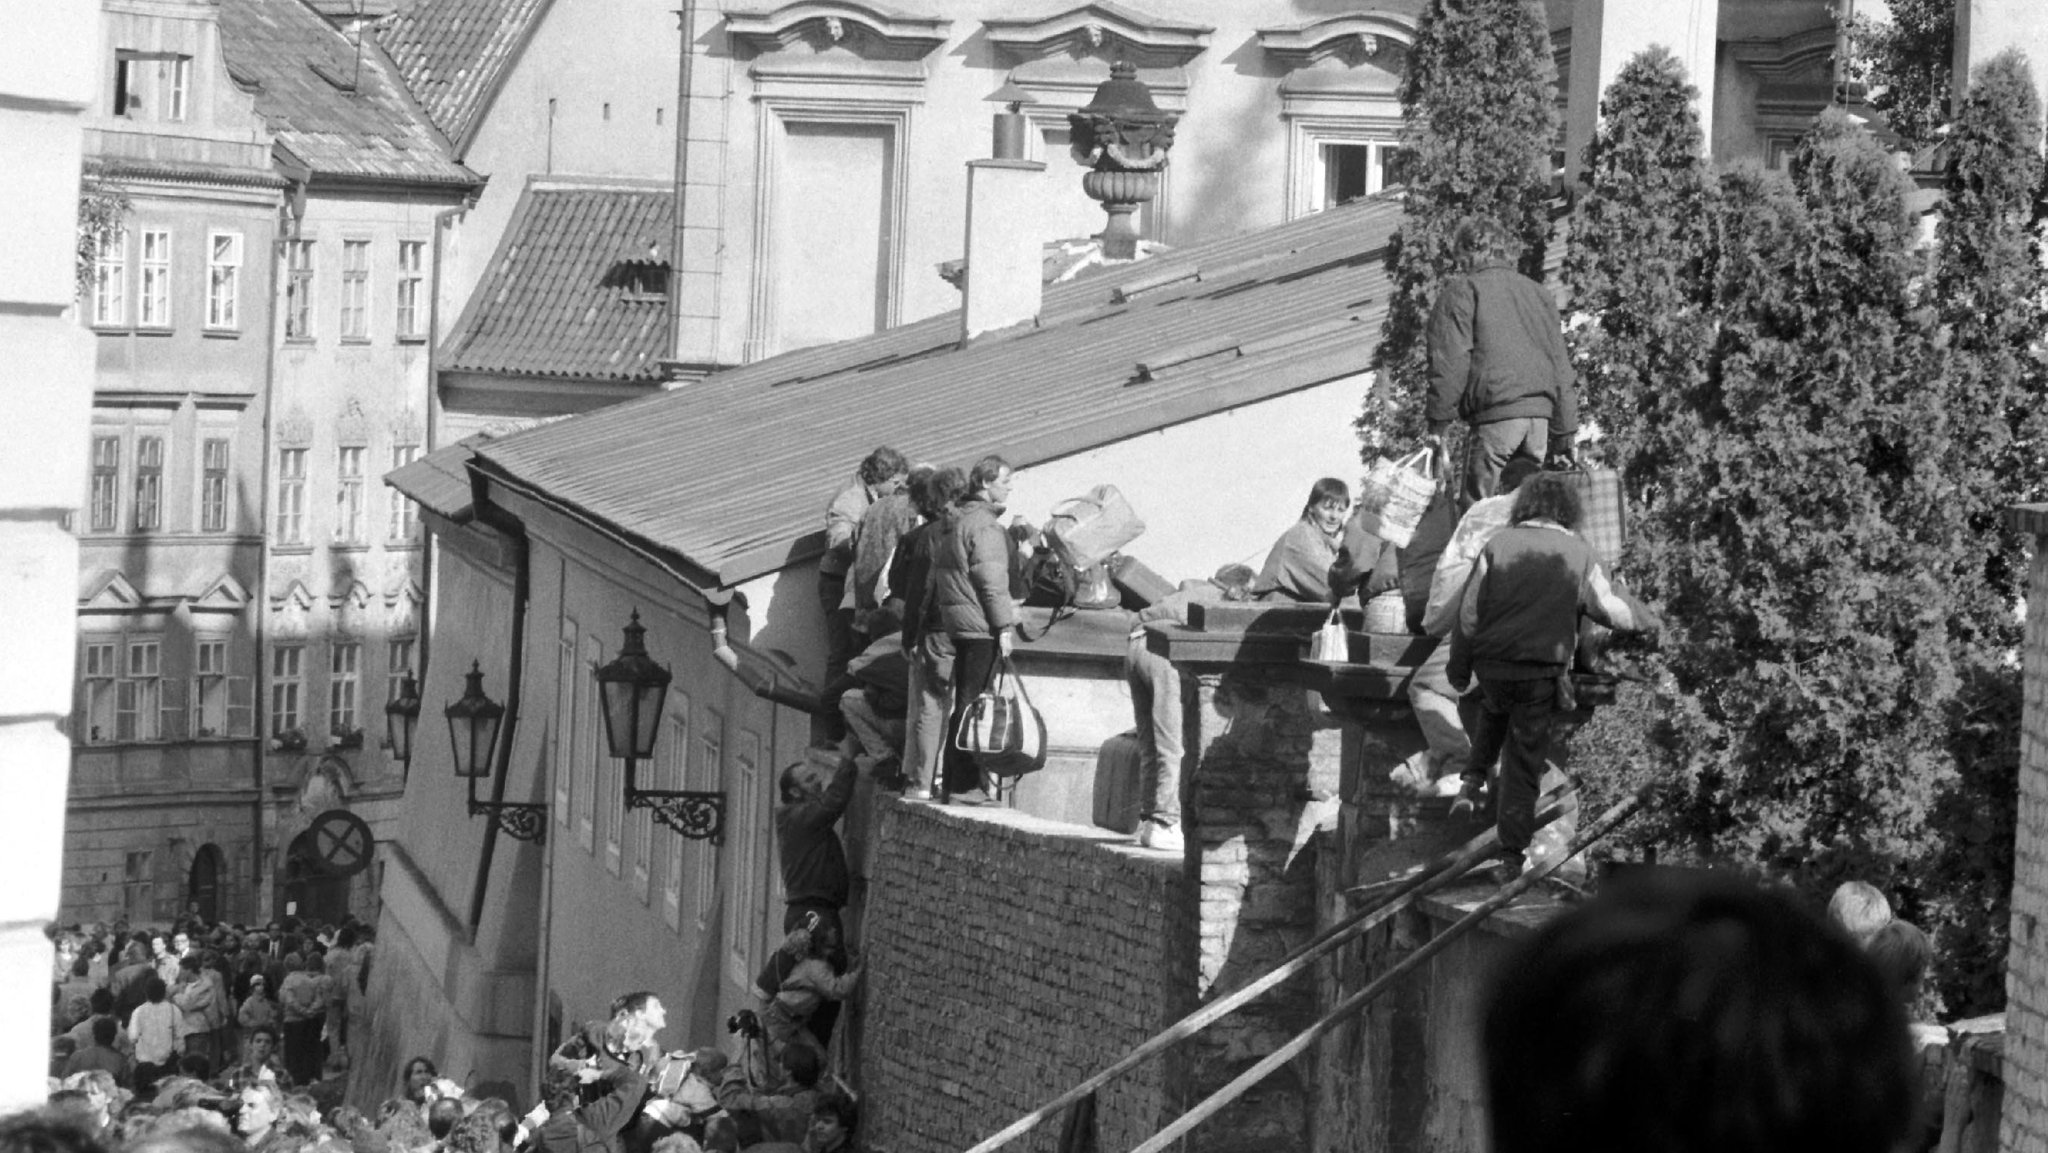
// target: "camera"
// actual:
[[743, 1024]]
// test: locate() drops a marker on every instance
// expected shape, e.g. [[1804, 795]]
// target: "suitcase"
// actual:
[[1119, 777], [1139, 584]]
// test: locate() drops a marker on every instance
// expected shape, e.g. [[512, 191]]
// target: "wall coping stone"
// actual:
[[1006, 824]]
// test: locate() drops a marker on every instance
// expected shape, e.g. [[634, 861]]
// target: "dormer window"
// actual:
[[152, 85], [639, 279]]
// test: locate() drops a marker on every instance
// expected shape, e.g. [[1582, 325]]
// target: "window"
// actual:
[[675, 775], [155, 302], [96, 697], [750, 886], [105, 514], [222, 706], [286, 675], [298, 290], [291, 496], [397, 666], [177, 75], [404, 518], [710, 767], [213, 485], [348, 495], [149, 483], [152, 85], [343, 668], [139, 698], [588, 754], [563, 730], [355, 289], [110, 279], [1350, 169], [138, 887], [412, 312], [223, 280]]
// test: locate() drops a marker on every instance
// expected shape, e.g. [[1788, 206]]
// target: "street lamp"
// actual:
[[473, 732], [401, 718], [632, 687]]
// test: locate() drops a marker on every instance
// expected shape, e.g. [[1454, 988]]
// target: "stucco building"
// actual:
[[260, 320]]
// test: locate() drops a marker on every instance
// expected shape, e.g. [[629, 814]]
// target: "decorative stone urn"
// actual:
[[1122, 137]]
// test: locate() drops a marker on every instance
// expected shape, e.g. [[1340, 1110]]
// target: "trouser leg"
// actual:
[[838, 649], [1436, 710], [974, 663], [933, 670], [880, 737], [1491, 446], [1156, 709], [1529, 708]]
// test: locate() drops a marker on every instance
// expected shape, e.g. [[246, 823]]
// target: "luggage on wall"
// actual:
[[1086, 529], [1002, 729], [1119, 780]]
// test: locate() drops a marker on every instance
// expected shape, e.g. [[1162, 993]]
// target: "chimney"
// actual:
[[1005, 273]]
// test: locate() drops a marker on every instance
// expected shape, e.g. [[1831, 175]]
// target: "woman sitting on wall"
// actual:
[[1298, 568]]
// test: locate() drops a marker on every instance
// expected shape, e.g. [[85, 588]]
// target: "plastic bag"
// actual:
[[1331, 643], [1395, 494]]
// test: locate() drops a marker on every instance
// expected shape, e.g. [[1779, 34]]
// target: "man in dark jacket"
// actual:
[[1517, 629], [815, 793], [1497, 361], [929, 689], [595, 1127]]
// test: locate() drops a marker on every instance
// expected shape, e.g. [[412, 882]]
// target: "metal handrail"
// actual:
[[1438, 874], [1351, 1005]]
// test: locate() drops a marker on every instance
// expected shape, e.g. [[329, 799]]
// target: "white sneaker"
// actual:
[[1162, 838]]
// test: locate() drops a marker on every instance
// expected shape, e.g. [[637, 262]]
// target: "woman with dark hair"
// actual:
[[972, 620], [419, 1073], [1298, 567]]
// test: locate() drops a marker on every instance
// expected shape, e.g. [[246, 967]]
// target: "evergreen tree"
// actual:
[[1636, 267], [1480, 117], [1802, 539], [1989, 289]]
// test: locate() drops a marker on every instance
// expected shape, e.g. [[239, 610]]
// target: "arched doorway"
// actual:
[[310, 890], [202, 885]]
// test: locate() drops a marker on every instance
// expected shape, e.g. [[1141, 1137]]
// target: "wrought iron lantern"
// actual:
[[633, 687], [473, 724], [402, 718]]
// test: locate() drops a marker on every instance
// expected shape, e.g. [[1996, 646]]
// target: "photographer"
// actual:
[[773, 1113]]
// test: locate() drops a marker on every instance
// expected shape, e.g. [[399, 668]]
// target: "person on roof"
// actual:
[[1497, 361], [1156, 704], [930, 683], [880, 475]]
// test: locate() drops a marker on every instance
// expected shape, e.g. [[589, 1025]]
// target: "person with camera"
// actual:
[[773, 1112], [596, 1125]]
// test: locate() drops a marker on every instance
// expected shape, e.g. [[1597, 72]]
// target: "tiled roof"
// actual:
[[725, 474], [454, 53], [337, 110], [439, 481], [563, 295]]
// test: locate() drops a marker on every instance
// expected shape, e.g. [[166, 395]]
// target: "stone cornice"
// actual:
[[1101, 31], [1351, 38], [815, 27]]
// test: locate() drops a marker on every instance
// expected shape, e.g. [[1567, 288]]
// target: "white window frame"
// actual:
[[110, 279], [749, 885], [176, 74], [291, 495], [287, 687], [1308, 177], [348, 494], [298, 289], [398, 658], [355, 290], [402, 517], [138, 885], [223, 281], [411, 318], [209, 686], [676, 757], [98, 671], [215, 483], [710, 769], [139, 699], [588, 754], [150, 451], [567, 682], [153, 301], [103, 498], [344, 684]]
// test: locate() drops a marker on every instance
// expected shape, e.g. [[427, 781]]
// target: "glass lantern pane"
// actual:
[[617, 698], [648, 718]]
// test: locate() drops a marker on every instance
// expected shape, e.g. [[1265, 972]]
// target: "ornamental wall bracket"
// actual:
[[699, 816]]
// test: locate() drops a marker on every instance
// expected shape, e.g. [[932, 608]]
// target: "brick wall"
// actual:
[[1009, 958], [2025, 1121]]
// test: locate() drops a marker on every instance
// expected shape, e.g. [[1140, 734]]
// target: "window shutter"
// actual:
[[241, 707], [171, 713], [124, 710]]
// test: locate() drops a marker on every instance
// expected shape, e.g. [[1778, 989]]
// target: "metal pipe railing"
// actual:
[[1351, 1005], [1437, 874]]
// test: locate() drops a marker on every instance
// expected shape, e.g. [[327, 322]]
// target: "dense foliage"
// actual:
[[1478, 99], [1636, 269], [1907, 63]]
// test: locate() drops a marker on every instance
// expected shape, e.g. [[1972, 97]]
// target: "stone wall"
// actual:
[[2025, 1119], [1009, 958]]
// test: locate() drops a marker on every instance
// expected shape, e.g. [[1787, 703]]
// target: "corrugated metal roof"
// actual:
[[338, 110], [453, 54], [439, 481], [566, 294], [732, 473]]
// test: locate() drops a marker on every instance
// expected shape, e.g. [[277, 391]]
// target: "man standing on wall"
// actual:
[[881, 474], [1497, 361]]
